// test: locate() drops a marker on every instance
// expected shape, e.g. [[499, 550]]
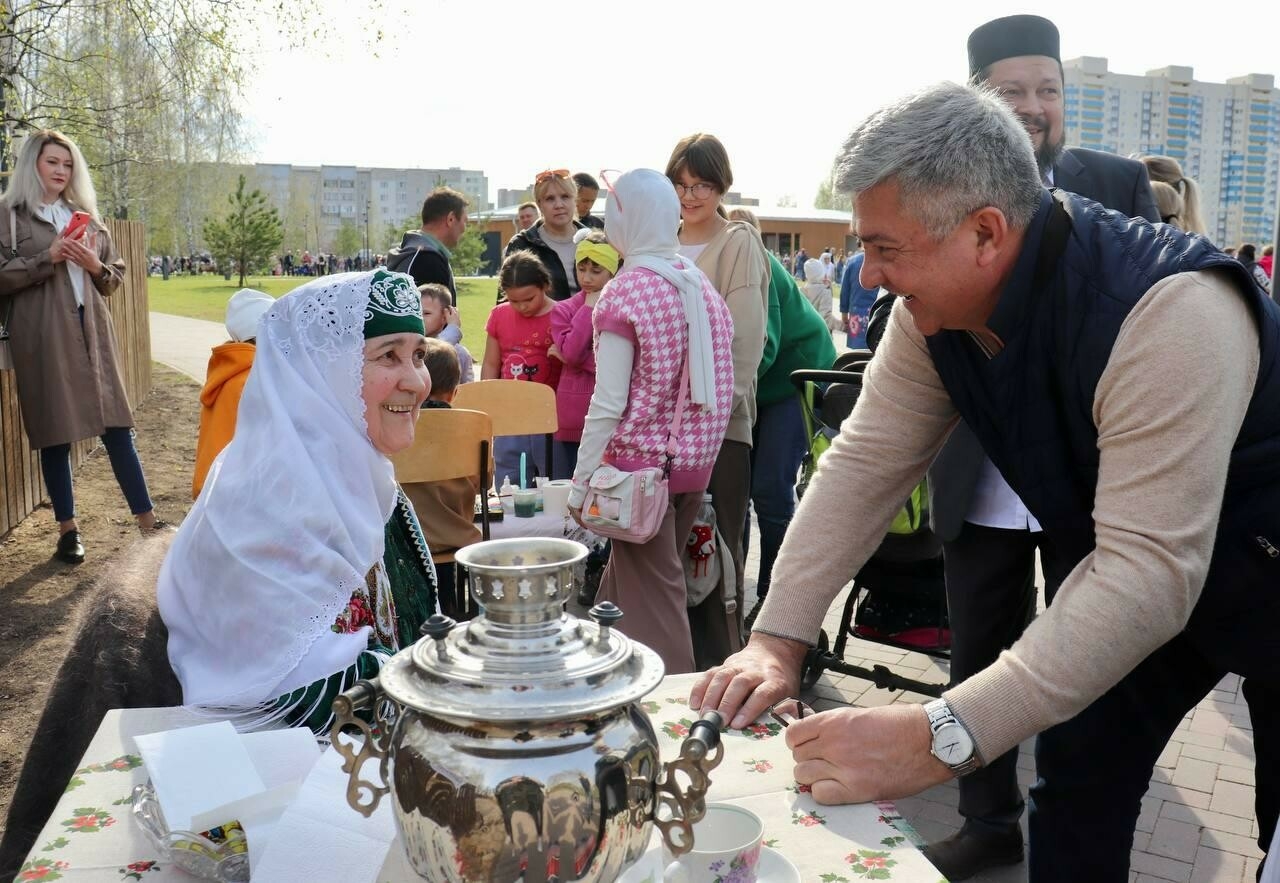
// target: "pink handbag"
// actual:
[[630, 506]]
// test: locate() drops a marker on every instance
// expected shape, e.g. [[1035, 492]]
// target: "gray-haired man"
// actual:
[[989, 537], [1054, 328]]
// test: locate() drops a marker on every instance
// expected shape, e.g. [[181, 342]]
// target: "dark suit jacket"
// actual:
[[1118, 183]]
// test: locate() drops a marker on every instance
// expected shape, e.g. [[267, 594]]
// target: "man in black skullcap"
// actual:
[[1019, 57], [990, 539]]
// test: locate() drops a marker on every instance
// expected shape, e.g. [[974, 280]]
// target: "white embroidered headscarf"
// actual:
[[641, 220], [291, 517]]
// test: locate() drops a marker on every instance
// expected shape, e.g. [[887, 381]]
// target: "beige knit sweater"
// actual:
[[1168, 408], [737, 265]]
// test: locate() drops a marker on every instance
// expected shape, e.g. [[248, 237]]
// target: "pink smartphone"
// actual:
[[77, 225]]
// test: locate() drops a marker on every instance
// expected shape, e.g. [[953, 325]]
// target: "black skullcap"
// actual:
[[1010, 37]]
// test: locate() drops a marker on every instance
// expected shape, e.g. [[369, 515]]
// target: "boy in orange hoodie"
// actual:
[[228, 370]]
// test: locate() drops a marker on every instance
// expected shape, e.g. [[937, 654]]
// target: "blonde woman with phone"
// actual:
[[57, 266]]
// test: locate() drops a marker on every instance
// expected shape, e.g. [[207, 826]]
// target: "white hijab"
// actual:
[[641, 220], [291, 517]]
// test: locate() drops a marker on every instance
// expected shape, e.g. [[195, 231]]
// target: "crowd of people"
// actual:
[[1033, 300], [306, 264]]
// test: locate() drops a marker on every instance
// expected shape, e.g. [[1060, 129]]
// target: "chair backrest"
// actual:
[[447, 443], [517, 407]]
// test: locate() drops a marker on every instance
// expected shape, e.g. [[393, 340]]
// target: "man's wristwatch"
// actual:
[[952, 743]]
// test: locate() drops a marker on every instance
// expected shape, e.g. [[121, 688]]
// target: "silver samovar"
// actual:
[[513, 745]]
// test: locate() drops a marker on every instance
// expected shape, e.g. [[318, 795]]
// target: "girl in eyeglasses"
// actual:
[[731, 254]]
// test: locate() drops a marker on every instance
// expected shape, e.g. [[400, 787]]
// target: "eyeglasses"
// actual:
[[699, 190], [788, 711], [605, 174], [550, 173]]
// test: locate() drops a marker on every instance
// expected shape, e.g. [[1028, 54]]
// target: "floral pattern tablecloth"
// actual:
[[90, 835]]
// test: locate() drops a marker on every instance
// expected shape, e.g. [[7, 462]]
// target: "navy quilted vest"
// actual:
[[1031, 406]]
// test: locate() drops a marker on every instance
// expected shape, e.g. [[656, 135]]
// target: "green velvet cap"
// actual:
[[394, 305]]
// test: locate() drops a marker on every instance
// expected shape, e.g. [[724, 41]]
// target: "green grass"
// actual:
[[205, 297]]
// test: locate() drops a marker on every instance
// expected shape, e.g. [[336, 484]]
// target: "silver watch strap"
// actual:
[[940, 714]]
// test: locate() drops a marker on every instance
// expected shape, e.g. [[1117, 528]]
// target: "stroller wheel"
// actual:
[[815, 662]]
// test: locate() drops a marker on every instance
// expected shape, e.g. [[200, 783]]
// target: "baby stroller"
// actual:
[[898, 598]]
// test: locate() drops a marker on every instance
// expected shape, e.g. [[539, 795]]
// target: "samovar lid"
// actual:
[[523, 658]]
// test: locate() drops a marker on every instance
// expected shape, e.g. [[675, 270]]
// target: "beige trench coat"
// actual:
[[69, 382]]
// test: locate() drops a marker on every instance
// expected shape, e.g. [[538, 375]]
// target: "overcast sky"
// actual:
[[515, 87]]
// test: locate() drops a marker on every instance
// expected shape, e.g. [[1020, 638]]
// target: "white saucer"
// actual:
[[774, 868]]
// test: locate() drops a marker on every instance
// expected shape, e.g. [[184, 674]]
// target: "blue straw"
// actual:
[[523, 484]]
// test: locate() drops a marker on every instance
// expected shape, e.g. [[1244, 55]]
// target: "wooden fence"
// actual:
[[21, 487]]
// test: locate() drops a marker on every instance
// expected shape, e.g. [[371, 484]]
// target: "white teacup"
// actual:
[[726, 845]]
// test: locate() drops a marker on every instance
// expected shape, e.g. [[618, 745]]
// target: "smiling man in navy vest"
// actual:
[[990, 538], [1125, 380]]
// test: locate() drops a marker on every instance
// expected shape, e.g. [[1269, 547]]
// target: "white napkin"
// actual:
[[197, 769], [283, 758], [320, 837]]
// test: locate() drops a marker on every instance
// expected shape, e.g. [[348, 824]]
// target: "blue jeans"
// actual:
[[506, 458], [564, 458], [779, 444], [55, 465]]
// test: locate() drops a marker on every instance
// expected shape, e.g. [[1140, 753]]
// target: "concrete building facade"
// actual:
[[319, 200], [1225, 135]]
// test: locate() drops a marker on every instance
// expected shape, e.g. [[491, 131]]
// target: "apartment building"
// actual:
[[320, 199], [1225, 135]]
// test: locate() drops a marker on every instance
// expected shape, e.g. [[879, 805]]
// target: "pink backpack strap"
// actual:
[[673, 434]]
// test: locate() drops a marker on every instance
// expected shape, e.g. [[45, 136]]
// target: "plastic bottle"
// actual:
[[506, 490]]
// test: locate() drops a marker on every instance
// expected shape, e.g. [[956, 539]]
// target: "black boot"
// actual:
[[70, 549], [975, 848]]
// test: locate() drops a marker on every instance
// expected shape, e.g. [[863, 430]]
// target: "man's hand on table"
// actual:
[[852, 755], [751, 680]]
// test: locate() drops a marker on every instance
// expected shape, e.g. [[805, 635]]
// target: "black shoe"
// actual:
[[70, 549], [975, 848], [750, 621]]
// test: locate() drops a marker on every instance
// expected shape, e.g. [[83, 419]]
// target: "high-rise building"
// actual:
[[1225, 135]]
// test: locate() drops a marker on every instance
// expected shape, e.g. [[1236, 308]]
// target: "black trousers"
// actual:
[[1094, 769], [991, 596]]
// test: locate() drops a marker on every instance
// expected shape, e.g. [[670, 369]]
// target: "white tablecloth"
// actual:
[[91, 835], [542, 524]]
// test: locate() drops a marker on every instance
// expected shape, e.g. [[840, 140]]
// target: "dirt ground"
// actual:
[[41, 595]]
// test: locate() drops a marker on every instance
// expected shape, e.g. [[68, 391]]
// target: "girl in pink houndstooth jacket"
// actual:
[[657, 313]]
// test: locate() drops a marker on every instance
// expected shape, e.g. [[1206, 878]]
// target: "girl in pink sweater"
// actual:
[[571, 334], [657, 316], [519, 336]]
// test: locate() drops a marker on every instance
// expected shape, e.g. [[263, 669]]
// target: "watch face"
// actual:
[[952, 744]]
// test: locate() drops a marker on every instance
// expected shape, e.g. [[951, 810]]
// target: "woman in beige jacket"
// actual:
[[64, 350], [734, 258]]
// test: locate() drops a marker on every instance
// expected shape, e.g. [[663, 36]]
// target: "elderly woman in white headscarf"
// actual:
[[663, 340], [302, 567]]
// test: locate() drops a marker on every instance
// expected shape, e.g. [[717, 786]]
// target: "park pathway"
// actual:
[[184, 344]]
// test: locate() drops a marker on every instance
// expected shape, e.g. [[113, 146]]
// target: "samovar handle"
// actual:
[[362, 794], [676, 810]]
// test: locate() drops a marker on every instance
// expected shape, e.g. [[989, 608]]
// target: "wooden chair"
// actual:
[[450, 443], [516, 407]]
